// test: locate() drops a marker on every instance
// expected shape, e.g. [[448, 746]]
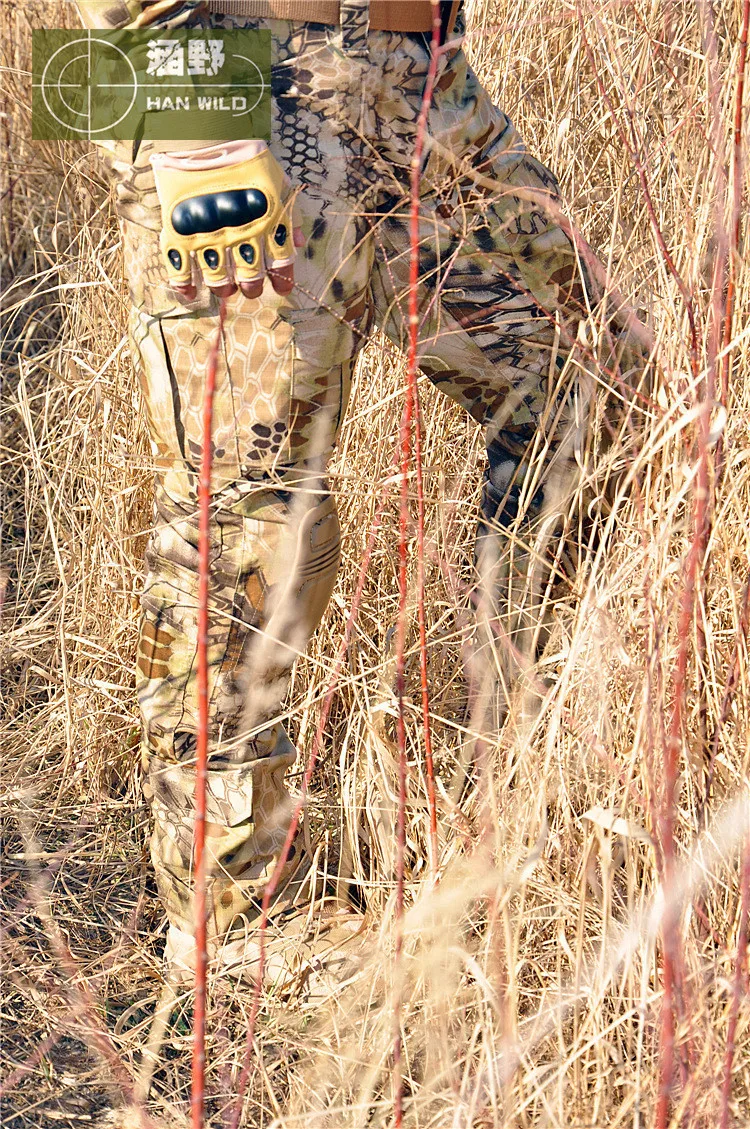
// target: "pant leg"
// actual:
[[503, 291], [282, 386], [274, 559], [502, 287]]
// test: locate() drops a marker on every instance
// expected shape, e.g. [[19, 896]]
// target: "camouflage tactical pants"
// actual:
[[502, 291]]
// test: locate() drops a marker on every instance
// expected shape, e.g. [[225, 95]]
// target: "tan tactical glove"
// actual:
[[227, 210]]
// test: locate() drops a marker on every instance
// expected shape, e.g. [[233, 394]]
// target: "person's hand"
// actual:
[[227, 212]]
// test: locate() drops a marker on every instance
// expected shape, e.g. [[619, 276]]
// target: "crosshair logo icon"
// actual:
[[69, 85], [260, 86], [170, 84]]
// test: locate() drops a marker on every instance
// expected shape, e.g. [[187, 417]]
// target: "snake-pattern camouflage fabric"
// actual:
[[501, 296]]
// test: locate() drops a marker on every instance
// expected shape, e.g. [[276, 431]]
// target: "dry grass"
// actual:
[[532, 979]]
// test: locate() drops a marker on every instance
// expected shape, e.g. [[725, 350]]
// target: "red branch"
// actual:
[[411, 414], [426, 727], [296, 815], [197, 1096], [672, 744]]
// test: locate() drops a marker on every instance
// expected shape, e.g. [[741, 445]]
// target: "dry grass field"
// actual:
[[582, 899]]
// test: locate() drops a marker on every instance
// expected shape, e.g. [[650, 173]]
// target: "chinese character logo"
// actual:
[[166, 58]]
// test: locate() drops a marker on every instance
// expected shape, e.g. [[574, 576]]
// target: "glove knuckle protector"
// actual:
[[224, 205]]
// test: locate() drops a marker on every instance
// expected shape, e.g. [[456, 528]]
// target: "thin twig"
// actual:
[[411, 413], [198, 1087], [270, 890]]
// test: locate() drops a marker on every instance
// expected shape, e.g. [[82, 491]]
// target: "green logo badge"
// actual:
[[186, 84]]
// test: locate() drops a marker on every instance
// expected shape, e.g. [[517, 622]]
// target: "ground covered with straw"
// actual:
[[580, 962]]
